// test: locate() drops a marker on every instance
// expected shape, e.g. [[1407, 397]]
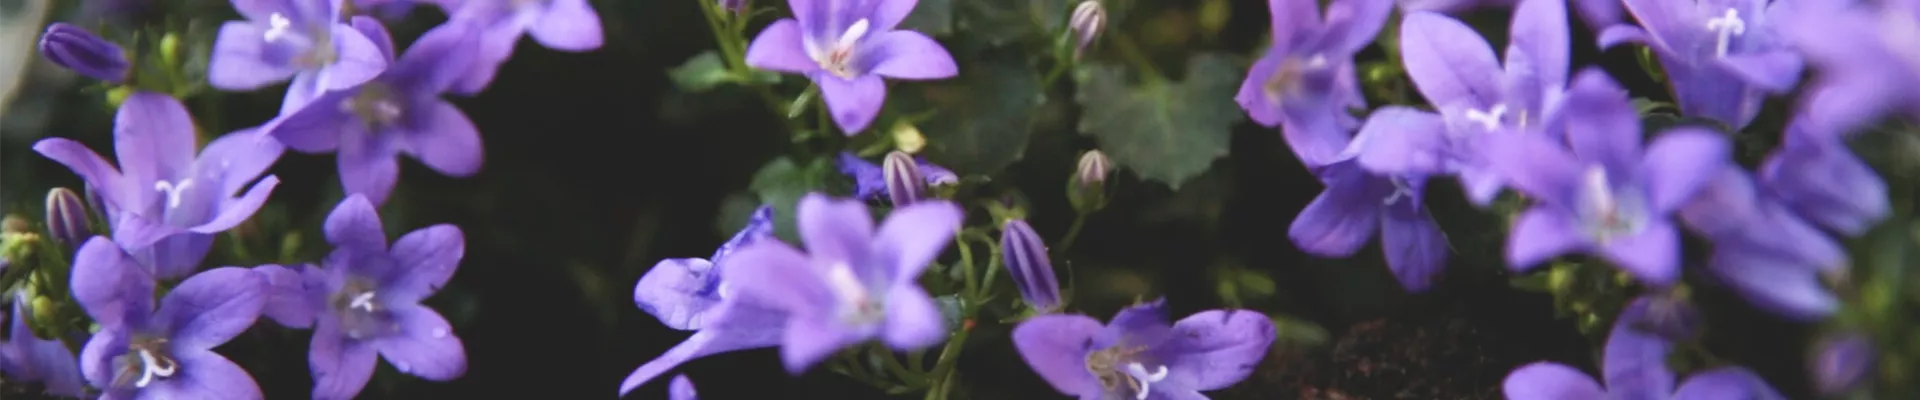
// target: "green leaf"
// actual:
[[1000, 21], [981, 121], [932, 17], [1297, 331], [1168, 132], [706, 71], [782, 183]]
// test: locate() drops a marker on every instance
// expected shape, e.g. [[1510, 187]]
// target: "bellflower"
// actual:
[[1479, 100], [682, 389], [1722, 57], [1866, 56], [1139, 356], [1030, 266], [845, 47], [1596, 13], [1824, 182], [1305, 83], [165, 203], [565, 25], [26, 358], [365, 301], [1606, 197], [398, 112], [695, 294], [870, 180], [1762, 249], [142, 351], [855, 282], [84, 53], [1357, 203], [1633, 366], [306, 40]]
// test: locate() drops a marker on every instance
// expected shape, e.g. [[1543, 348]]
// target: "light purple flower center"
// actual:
[[1286, 80], [1119, 367], [1901, 33], [840, 57], [1725, 27], [376, 104], [145, 361], [361, 313], [858, 306], [316, 44], [1609, 214]]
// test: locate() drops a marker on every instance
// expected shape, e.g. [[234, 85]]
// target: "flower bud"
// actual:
[[1088, 188], [1089, 18], [67, 219], [1029, 266], [733, 6], [904, 182], [1841, 362], [1672, 317], [84, 53]]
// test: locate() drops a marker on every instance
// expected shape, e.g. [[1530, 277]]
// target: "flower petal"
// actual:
[[1540, 30], [681, 389], [568, 25], [1253, 93], [1679, 163], [317, 129], [1449, 62], [1824, 182], [1726, 383], [1537, 166], [496, 44], [35, 359], [204, 375], [355, 224], [1217, 348], [853, 102], [108, 284], [779, 48], [424, 260], [774, 273], [239, 60], [1634, 362], [839, 231], [703, 343], [1775, 71], [154, 137], [1340, 220], [887, 14], [376, 34], [1056, 347], [914, 322], [360, 59], [1539, 234], [241, 156], [438, 60], [286, 296], [1652, 256], [1773, 283], [446, 141], [96, 357], [674, 291], [1602, 126], [212, 307], [807, 341], [1143, 324], [1293, 19], [234, 211], [1352, 24], [913, 236], [341, 366], [908, 55], [425, 347], [371, 172], [1622, 34], [92, 168], [1415, 248], [1403, 140], [1551, 381]]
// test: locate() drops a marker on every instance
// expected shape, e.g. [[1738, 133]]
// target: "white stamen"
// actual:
[[1400, 190], [363, 301], [173, 191], [1599, 193], [854, 32], [1140, 374], [1317, 61], [1489, 118], [277, 26], [847, 287], [150, 367], [1725, 28]]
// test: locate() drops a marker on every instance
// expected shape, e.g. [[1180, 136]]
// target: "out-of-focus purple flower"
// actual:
[[696, 294], [67, 219], [1478, 99], [905, 185], [845, 48], [26, 358], [306, 40], [1866, 57], [733, 6], [165, 203], [1670, 316], [142, 351], [1761, 249], [1138, 355], [1841, 362], [1607, 196], [365, 301], [1722, 57], [681, 389], [1596, 13], [565, 25], [1306, 82], [1088, 20], [84, 53], [399, 112], [1634, 366], [870, 180], [1818, 177], [854, 283], [1357, 203], [390, 10], [1029, 266]]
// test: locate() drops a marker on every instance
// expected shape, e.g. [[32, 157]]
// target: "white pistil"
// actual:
[[1725, 28], [277, 27], [851, 292], [151, 367], [172, 190], [839, 58], [853, 34], [1400, 190], [362, 301], [1599, 194], [1146, 379], [1489, 118]]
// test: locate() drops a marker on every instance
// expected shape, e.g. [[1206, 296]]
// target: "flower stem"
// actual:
[[1139, 59], [1073, 233], [943, 373], [966, 264]]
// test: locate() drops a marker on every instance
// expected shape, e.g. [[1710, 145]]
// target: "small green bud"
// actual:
[[907, 137], [45, 317], [170, 50]]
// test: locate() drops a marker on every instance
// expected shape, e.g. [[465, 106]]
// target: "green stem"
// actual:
[[966, 263], [993, 269], [1073, 233], [950, 356], [1139, 59], [1059, 68], [894, 367]]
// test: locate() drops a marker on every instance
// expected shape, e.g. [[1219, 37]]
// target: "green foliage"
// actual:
[[932, 17], [1167, 132], [783, 182], [999, 22], [706, 71], [982, 120]]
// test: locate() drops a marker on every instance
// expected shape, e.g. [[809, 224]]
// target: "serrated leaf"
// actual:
[[1168, 132], [706, 71], [782, 182], [982, 121], [1000, 21], [932, 17]]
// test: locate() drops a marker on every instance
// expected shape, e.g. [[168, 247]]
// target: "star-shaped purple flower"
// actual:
[[1306, 82], [565, 25], [398, 112], [845, 47], [695, 294], [854, 283], [870, 181], [1866, 57], [1721, 56], [1634, 366], [1606, 197], [1762, 249], [146, 352], [365, 301], [26, 358], [1358, 203], [306, 40], [1139, 356], [165, 203]]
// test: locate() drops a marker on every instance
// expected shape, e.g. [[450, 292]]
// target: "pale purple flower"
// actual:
[[682, 389], [565, 25], [26, 358], [1479, 99], [164, 202], [84, 53], [1866, 56], [870, 180], [845, 47], [305, 40], [1596, 13], [1305, 83], [145, 350], [1357, 203], [1633, 366], [1722, 57], [1817, 176], [1607, 196], [1762, 249], [695, 294], [1139, 356], [399, 112], [855, 282]]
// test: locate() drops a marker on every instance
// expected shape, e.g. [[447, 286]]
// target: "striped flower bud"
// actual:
[[84, 53], [1089, 18], [1841, 362], [1087, 190], [67, 219], [1028, 264], [904, 182]]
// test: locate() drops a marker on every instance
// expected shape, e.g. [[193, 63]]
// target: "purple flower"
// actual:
[[1597, 13], [1763, 250], [366, 301], [682, 389], [1605, 197], [84, 52], [1479, 99], [165, 203], [695, 294], [305, 40], [1357, 203], [398, 112], [26, 358], [854, 283], [565, 25], [1721, 56], [870, 180], [1634, 366], [1029, 266], [1306, 82], [1842, 362], [1138, 356], [142, 351], [1818, 177], [1866, 58], [845, 47]]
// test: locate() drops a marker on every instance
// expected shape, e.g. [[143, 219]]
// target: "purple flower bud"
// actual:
[[1088, 188], [84, 53], [1670, 316], [1089, 18], [904, 183], [1028, 264], [67, 219], [1843, 360], [733, 6]]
